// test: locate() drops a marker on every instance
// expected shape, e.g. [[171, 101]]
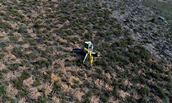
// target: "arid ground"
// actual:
[[37, 64]]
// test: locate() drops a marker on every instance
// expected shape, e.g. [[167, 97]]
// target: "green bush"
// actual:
[[2, 90], [18, 83]]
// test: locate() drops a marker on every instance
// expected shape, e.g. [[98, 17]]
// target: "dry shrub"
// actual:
[[47, 89], [95, 99], [123, 94], [55, 99], [108, 76], [2, 34], [26, 45], [74, 80], [127, 83], [41, 47], [33, 93], [11, 91], [62, 65], [2, 66], [108, 87], [112, 100], [61, 40], [78, 94], [28, 82], [59, 64], [65, 88], [55, 78], [9, 48], [22, 100], [11, 75], [9, 57], [99, 83]]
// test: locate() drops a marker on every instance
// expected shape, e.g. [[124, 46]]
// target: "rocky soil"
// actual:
[[37, 64], [147, 26]]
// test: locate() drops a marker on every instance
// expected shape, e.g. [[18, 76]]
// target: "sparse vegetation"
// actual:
[[164, 9], [41, 41], [2, 90]]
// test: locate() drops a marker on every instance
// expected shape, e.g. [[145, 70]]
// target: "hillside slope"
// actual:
[[37, 64]]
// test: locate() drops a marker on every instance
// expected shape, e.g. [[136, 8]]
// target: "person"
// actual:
[[87, 50]]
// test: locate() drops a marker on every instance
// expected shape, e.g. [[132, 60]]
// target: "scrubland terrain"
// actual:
[[37, 64]]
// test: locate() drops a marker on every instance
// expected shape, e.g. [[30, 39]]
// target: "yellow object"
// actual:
[[90, 54]]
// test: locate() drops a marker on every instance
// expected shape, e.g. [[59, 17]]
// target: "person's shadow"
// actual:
[[80, 53]]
